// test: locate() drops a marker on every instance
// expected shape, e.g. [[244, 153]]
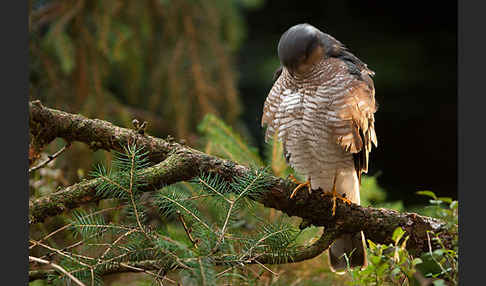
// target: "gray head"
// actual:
[[304, 43]]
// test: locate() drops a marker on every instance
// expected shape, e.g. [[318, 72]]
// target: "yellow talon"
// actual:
[[301, 185], [335, 196]]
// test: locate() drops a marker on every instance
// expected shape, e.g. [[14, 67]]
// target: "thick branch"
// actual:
[[183, 163], [48, 124]]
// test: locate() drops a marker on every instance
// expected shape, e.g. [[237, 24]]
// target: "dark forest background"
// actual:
[[171, 62]]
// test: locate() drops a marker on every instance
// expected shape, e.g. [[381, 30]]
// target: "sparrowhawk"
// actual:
[[321, 107]]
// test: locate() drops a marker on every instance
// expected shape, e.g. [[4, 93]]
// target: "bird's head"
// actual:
[[303, 45]]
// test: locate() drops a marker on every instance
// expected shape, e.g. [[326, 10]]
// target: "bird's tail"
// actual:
[[354, 246]]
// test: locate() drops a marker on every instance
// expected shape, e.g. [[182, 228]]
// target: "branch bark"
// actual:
[[175, 162]]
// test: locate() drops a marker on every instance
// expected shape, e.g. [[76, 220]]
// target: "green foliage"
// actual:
[[442, 208], [122, 180], [276, 238], [442, 262], [87, 225], [374, 195], [388, 264], [224, 142], [393, 265]]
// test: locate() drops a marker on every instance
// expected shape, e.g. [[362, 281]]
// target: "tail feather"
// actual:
[[354, 246]]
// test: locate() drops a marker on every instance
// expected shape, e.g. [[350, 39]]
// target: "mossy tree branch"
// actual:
[[175, 163]]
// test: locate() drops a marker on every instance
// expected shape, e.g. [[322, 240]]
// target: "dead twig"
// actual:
[[188, 231], [50, 158], [146, 271], [53, 265]]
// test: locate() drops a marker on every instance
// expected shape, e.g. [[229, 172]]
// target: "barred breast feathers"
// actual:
[[271, 106]]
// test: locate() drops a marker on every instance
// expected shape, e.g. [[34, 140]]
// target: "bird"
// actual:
[[321, 107]]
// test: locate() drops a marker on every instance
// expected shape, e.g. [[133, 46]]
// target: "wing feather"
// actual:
[[355, 132]]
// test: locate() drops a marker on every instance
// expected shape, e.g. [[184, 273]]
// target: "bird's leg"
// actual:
[[301, 185], [335, 195]]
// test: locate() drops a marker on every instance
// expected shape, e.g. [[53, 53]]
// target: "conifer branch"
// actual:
[[202, 271], [75, 245], [130, 191], [115, 267], [138, 269], [303, 254], [230, 208], [204, 183], [318, 247], [177, 163], [258, 243], [70, 224], [116, 241], [62, 253], [189, 212], [223, 230]]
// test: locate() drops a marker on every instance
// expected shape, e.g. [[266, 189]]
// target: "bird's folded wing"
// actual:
[[354, 124]]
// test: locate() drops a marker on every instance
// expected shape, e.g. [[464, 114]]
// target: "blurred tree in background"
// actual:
[[166, 62], [166, 59]]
